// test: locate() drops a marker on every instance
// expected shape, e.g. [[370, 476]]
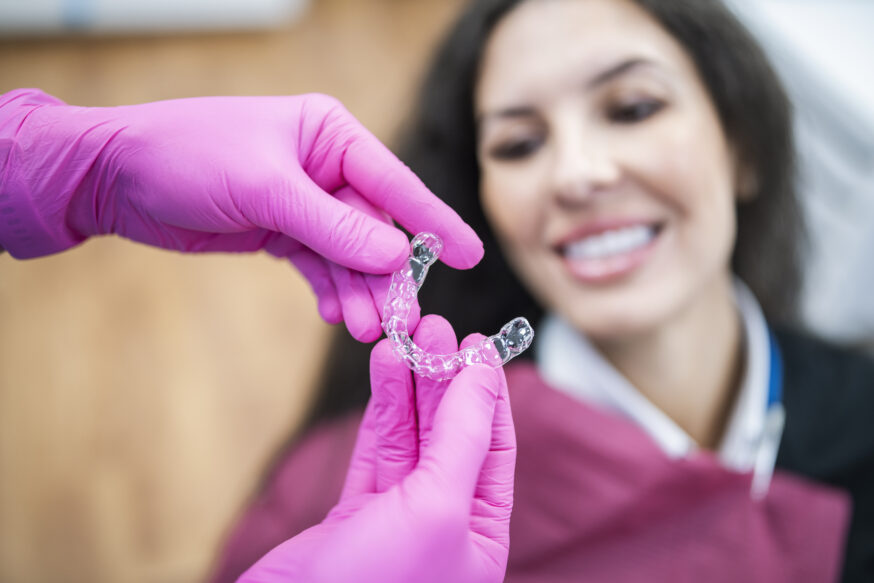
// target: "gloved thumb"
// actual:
[[462, 431]]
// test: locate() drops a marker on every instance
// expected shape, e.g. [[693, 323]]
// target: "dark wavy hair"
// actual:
[[439, 143]]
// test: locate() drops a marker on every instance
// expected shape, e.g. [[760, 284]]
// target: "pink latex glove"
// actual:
[[222, 174], [430, 485]]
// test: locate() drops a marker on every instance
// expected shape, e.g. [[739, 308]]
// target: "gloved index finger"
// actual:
[[376, 173]]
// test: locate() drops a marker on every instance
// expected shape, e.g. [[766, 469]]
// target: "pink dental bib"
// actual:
[[597, 500]]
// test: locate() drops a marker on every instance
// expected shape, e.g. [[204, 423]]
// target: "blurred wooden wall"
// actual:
[[142, 391]]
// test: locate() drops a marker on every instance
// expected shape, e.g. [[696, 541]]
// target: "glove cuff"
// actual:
[[40, 168]]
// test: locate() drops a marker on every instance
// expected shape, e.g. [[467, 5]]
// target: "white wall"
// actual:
[[834, 38], [824, 50]]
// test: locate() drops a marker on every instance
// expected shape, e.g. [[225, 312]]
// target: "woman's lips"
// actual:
[[607, 254]]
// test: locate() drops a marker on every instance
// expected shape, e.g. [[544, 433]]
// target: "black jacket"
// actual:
[[828, 395]]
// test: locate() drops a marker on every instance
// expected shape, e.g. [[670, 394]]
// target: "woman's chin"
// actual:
[[619, 317]]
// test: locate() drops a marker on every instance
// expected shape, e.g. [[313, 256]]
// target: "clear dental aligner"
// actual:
[[495, 351]]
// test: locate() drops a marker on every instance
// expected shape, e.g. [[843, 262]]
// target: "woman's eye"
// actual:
[[514, 150], [635, 111]]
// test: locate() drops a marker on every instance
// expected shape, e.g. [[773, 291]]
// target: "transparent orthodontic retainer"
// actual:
[[496, 350]]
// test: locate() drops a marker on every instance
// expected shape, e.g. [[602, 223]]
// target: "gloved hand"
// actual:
[[430, 485], [222, 174]]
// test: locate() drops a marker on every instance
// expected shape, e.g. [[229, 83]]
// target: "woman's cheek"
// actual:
[[508, 207]]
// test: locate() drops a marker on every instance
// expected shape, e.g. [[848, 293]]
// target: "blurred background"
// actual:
[[142, 392]]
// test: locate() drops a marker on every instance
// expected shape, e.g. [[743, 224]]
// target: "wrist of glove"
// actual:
[[42, 170]]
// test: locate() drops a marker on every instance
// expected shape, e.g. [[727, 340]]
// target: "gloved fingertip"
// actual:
[[366, 334], [472, 340], [359, 312], [383, 250], [400, 251], [382, 352], [329, 309], [434, 333], [464, 250]]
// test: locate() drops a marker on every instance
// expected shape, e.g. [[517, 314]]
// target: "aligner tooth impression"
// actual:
[[496, 350]]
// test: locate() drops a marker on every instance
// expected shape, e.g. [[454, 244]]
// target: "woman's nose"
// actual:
[[582, 169]]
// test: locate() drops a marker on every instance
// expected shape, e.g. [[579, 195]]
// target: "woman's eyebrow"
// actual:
[[506, 113], [617, 71]]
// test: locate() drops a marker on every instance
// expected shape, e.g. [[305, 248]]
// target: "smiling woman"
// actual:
[[629, 167], [619, 215]]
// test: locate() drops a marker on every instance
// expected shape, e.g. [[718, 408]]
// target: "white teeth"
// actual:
[[610, 243]]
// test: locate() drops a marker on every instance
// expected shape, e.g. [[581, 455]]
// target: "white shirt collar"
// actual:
[[567, 361]]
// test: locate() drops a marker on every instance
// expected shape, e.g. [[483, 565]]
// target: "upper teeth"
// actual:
[[610, 242]]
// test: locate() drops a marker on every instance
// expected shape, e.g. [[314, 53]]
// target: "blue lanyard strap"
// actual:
[[775, 375], [775, 418]]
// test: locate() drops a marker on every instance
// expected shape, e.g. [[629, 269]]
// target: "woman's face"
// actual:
[[605, 171]]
